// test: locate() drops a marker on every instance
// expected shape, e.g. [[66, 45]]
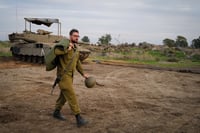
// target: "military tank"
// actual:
[[32, 46]]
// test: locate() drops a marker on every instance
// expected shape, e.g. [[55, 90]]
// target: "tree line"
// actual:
[[180, 41], [105, 39]]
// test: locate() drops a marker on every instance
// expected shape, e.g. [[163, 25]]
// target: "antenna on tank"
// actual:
[[16, 11]]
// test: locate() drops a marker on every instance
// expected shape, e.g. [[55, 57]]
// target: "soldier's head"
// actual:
[[74, 35]]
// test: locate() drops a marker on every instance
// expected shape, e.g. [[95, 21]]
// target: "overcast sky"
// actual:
[[126, 20]]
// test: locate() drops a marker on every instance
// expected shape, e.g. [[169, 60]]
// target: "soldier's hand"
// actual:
[[70, 46], [85, 76]]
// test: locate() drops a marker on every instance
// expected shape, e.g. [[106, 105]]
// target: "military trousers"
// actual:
[[67, 94]]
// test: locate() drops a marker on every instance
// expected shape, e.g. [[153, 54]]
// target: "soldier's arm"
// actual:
[[79, 67], [59, 50]]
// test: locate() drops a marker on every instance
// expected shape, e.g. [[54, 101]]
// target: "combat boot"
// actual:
[[80, 121], [58, 115]]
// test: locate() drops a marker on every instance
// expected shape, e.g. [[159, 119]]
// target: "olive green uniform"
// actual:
[[66, 84]]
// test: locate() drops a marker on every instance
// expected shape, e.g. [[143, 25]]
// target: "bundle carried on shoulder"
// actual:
[[50, 57]]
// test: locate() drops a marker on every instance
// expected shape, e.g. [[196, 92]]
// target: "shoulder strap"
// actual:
[[69, 64]]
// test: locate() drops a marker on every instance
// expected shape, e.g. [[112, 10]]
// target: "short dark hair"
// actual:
[[72, 31]]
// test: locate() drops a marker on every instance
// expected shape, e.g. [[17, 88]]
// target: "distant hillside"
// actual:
[[160, 55]]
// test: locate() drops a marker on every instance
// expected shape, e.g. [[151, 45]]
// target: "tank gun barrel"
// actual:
[[84, 43]]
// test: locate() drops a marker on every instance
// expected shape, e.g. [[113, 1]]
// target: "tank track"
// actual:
[[30, 58], [40, 59]]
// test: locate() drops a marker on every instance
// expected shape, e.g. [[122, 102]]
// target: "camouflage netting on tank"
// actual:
[[44, 21]]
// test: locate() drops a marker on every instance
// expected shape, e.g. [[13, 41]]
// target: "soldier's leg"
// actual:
[[69, 94], [72, 101], [60, 101], [59, 104]]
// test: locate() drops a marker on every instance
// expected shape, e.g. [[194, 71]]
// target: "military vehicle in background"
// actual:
[[32, 46]]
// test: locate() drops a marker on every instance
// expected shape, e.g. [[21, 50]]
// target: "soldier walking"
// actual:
[[66, 56]]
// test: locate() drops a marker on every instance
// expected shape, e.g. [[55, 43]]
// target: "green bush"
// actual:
[[180, 54], [156, 53], [196, 58], [172, 60]]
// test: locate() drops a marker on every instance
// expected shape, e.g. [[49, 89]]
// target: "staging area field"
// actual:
[[132, 100]]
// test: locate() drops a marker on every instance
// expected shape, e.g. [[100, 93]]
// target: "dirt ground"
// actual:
[[132, 100]]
